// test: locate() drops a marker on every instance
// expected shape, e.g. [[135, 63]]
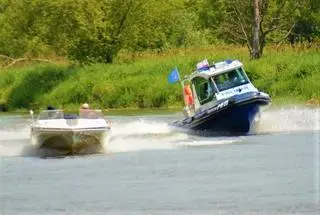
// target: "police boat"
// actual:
[[220, 99]]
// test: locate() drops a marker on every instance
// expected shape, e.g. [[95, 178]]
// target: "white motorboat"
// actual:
[[56, 133]]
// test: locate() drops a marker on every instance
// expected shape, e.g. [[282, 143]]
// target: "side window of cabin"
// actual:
[[204, 89]]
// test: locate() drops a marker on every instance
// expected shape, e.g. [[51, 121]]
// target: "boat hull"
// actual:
[[57, 142], [234, 116]]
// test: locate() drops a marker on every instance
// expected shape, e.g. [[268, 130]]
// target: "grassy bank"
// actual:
[[140, 81]]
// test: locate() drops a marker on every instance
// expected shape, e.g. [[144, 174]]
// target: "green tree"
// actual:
[[307, 26], [240, 25], [96, 30], [211, 14], [158, 25]]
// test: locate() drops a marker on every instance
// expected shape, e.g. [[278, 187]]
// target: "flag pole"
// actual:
[[186, 107], [183, 94]]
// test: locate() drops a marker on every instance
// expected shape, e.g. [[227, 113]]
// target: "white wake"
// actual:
[[156, 134]]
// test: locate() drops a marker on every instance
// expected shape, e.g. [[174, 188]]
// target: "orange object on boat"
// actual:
[[188, 95], [187, 90], [188, 99]]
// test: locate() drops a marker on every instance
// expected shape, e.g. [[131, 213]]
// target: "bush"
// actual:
[[143, 83]]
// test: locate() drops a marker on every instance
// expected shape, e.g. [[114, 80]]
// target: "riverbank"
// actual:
[[290, 76]]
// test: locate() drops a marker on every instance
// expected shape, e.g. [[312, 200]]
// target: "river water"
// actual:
[[151, 168]]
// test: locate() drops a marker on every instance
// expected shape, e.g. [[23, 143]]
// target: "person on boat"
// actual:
[[233, 76], [85, 106], [50, 107], [52, 114], [86, 112], [218, 81]]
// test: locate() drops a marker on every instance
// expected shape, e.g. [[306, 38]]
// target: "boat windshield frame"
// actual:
[[51, 114], [230, 79], [59, 114]]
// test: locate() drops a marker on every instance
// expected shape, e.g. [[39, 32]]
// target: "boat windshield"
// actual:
[[59, 114], [230, 79], [51, 114]]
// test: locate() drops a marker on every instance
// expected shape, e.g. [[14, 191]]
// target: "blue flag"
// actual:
[[173, 77]]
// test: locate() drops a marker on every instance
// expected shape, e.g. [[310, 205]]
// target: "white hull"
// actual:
[[61, 136]]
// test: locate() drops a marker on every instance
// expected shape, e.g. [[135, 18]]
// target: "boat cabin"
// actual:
[[217, 82]]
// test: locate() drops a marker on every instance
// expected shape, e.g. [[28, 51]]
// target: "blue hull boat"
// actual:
[[221, 100], [234, 116]]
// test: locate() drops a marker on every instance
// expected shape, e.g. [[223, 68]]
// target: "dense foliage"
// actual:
[[117, 53], [97, 30], [284, 73]]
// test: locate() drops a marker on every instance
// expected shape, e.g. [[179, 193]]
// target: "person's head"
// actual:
[[50, 107], [217, 79], [85, 106], [232, 76]]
